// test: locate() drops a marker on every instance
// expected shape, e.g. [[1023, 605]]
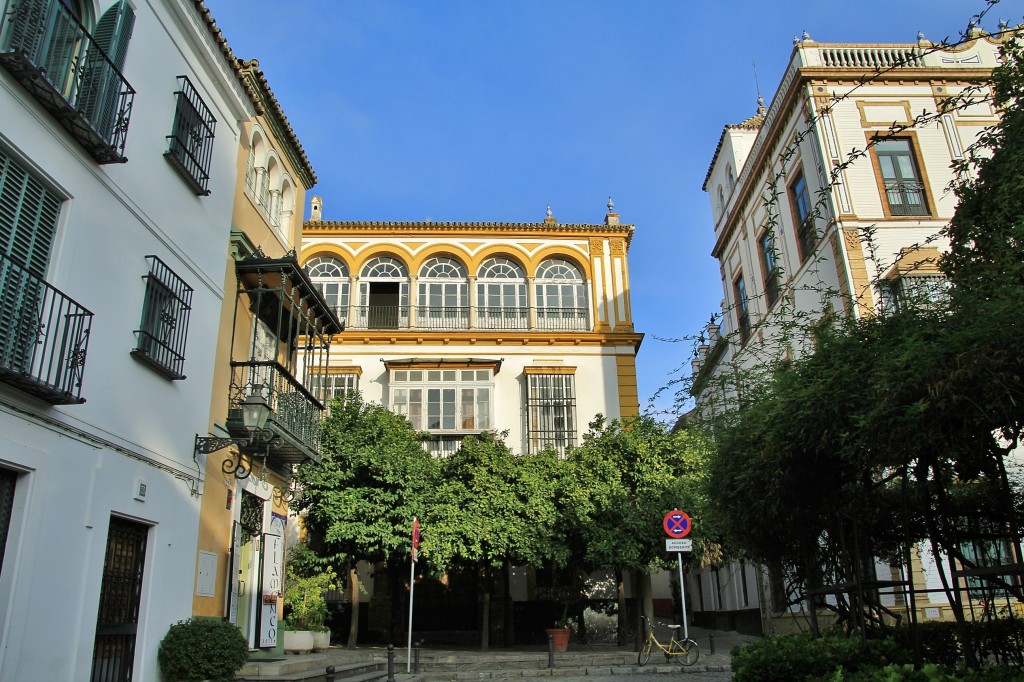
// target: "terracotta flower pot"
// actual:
[[559, 638]]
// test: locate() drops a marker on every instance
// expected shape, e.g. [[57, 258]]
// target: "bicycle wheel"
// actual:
[[645, 652], [685, 652]]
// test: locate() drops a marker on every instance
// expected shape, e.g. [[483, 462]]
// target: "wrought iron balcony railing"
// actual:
[[295, 414], [56, 59], [562, 319], [381, 317], [442, 317], [44, 336], [503, 318], [459, 317], [905, 198]]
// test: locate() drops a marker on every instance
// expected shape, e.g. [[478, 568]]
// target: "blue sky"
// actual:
[[490, 110]]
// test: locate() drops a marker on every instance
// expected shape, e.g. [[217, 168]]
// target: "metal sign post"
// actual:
[[677, 525], [412, 587], [682, 597]]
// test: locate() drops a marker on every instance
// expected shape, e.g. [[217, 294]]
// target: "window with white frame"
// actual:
[[444, 400], [561, 296], [501, 295], [383, 294], [443, 296], [330, 276], [333, 385], [550, 411], [442, 446]]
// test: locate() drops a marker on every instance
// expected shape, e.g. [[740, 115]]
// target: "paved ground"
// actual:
[[592, 663]]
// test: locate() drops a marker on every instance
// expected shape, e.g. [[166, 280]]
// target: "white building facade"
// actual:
[[830, 201], [118, 149]]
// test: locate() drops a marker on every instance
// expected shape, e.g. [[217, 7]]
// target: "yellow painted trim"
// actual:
[[861, 284], [922, 260], [534, 369], [629, 397], [863, 104], [484, 339], [326, 250]]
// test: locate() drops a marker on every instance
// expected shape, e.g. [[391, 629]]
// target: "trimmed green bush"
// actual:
[[202, 649], [796, 658]]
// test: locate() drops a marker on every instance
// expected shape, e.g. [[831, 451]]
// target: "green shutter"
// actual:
[[28, 217], [114, 30]]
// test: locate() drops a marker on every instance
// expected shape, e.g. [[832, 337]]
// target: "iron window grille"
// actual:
[[551, 412], [163, 330], [914, 292], [191, 139]]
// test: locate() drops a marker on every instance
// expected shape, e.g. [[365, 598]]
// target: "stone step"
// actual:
[[312, 668], [509, 674]]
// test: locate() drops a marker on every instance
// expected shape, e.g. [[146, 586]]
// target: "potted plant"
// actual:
[[560, 634], [306, 609], [202, 649]]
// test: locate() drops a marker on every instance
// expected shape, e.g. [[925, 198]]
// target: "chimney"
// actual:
[[316, 209]]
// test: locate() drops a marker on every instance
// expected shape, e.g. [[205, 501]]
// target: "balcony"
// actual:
[[53, 56], [280, 311], [441, 318], [44, 336], [905, 198], [295, 414]]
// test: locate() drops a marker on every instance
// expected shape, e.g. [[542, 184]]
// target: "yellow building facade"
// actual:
[[268, 304]]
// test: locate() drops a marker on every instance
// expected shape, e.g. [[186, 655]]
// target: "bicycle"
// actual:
[[683, 651]]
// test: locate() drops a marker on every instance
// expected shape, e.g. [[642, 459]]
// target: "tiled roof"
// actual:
[[259, 92], [752, 123], [301, 161], [225, 49]]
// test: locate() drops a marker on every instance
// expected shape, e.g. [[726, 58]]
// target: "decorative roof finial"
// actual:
[[548, 212], [1003, 24], [761, 108], [796, 40], [806, 37], [920, 36], [611, 205]]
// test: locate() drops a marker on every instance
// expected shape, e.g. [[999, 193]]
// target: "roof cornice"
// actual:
[[430, 228]]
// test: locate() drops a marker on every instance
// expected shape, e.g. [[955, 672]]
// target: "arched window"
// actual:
[[330, 276], [501, 295], [383, 294], [443, 296], [721, 201], [256, 165], [730, 177], [561, 296]]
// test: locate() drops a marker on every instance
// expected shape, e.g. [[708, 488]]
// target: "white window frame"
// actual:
[[423, 395]]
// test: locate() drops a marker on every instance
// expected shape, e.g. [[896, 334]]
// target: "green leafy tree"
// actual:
[[491, 507], [361, 497], [618, 487]]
